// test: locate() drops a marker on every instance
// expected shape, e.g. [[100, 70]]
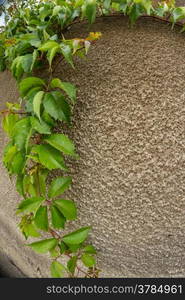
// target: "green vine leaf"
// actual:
[[9, 152], [19, 184], [49, 157], [34, 59], [13, 160], [67, 208], [52, 48], [41, 218], [48, 119], [89, 249], [55, 252], [40, 126], [57, 218], [90, 10], [51, 54], [76, 237], [71, 264], [49, 45], [62, 143], [135, 13], [57, 269], [74, 248], [29, 186], [28, 83], [44, 246], [17, 68], [27, 61], [30, 205], [56, 10], [178, 14], [59, 186], [31, 39], [21, 132], [37, 100], [67, 87], [9, 122], [146, 4], [17, 163], [106, 4], [57, 107], [63, 247], [42, 176], [67, 53], [30, 230], [32, 92], [88, 260]]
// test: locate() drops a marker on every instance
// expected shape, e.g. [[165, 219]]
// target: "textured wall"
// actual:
[[129, 130]]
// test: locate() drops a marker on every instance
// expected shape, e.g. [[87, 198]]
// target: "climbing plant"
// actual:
[[34, 40]]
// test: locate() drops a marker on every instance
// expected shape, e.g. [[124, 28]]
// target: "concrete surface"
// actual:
[[129, 130]]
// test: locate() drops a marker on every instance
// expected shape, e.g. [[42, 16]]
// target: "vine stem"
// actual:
[[54, 234], [57, 236], [78, 268], [13, 112]]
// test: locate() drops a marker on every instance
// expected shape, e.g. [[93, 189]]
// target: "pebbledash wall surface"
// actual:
[[129, 128]]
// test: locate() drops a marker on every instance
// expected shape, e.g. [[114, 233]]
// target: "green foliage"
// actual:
[[67, 208], [43, 246], [28, 83], [49, 157], [41, 218], [37, 100], [90, 10], [20, 133], [178, 14], [76, 237], [71, 264], [57, 107], [57, 269], [62, 143], [30, 205], [66, 86], [88, 260], [40, 126], [57, 218], [33, 39], [89, 249], [59, 186]]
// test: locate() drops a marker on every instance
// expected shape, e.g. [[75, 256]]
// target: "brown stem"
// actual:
[[48, 202], [166, 20], [57, 236], [54, 233], [13, 112], [78, 268]]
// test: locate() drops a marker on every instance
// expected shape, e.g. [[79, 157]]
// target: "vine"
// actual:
[[32, 39]]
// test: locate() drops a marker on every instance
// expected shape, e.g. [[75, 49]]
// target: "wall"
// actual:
[[129, 130]]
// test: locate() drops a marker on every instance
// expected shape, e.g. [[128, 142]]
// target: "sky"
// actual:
[[2, 20], [2, 16]]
